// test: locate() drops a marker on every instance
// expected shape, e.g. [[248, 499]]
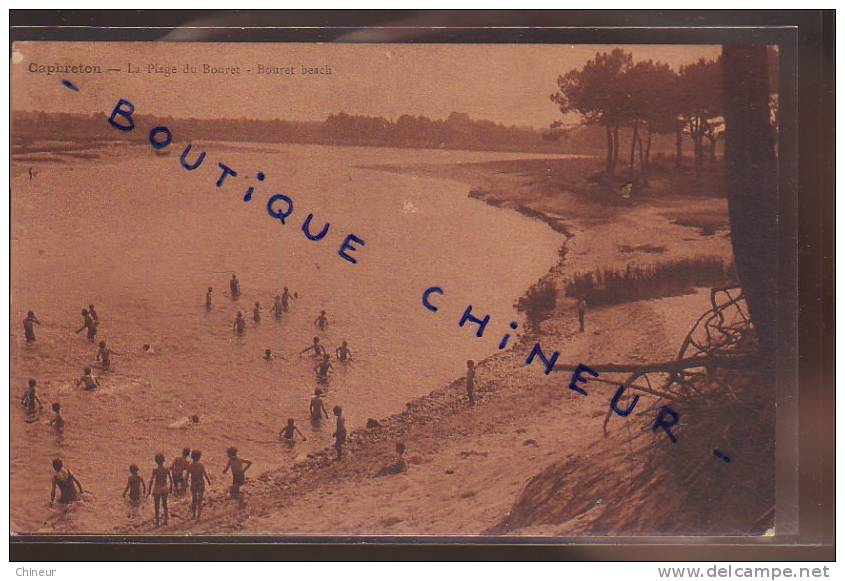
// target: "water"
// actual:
[[141, 238]]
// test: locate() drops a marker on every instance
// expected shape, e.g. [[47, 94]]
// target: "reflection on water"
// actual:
[[142, 239]]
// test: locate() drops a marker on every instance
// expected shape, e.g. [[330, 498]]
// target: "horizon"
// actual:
[[375, 80], [277, 119]]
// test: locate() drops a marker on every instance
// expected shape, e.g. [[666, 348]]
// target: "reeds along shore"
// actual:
[[660, 279]]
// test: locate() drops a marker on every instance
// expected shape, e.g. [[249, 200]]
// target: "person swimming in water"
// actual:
[[235, 287], [239, 467], [239, 325], [104, 355], [66, 483], [161, 485], [88, 381], [89, 323], [184, 422], [343, 352], [28, 328], [277, 308], [287, 433], [319, 350], [30, 401], [322, 322], [323, 368], [317, 408]]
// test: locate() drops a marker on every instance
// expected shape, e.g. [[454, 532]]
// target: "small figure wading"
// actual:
[[235, 287], [28, 328]]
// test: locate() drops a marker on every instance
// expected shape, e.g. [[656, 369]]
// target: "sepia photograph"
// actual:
[[522, 291]]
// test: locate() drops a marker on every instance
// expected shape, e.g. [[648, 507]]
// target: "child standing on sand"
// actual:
[[340, 431], [208, 299], [134, 486], [161, 485], [471, 381], [28, 329], [239, 467]]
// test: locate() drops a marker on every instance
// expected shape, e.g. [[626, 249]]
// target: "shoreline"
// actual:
[[504, 438], [392, 427]]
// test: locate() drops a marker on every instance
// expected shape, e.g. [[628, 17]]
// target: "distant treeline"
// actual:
[[458, 131], [613, 92]]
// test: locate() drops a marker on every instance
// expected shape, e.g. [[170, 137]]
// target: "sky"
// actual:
[[509, 83]]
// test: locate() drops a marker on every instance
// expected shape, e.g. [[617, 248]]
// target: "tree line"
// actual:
[[457, 131], [647, 98]]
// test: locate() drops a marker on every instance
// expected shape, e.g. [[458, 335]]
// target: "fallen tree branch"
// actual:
[[671, 366]]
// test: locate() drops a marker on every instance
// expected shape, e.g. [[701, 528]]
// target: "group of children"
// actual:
[[33, 406], [176, 479], [281, 304], [182, 473], [30, 401]]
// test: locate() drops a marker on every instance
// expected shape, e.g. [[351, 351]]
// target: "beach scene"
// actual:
[[373, 290]]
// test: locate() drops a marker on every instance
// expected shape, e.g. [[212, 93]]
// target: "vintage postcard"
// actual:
[[293, 289]]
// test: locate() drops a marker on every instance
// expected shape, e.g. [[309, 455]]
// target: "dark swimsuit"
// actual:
[[67, 488], [29, 330], [135, 492], [160, 487]]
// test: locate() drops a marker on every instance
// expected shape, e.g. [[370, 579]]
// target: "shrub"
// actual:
[[539, 301], [661, 279]]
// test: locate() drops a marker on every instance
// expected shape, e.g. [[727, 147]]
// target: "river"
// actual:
[[141, 238]]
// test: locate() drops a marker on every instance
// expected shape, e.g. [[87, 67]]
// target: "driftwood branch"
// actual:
[[710, 344], [671, 366]]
